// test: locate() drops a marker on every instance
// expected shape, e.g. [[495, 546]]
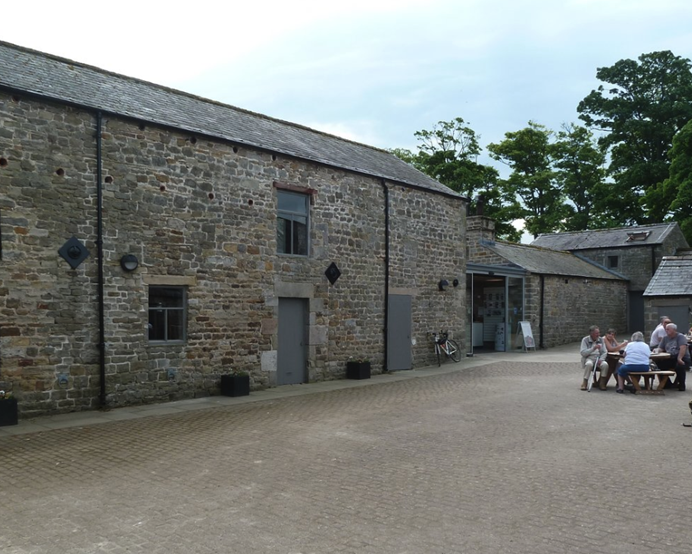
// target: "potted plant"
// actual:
[[236, 383], [8, 409], [358, 368]]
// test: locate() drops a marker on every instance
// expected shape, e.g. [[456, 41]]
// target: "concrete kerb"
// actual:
[[562, 354]]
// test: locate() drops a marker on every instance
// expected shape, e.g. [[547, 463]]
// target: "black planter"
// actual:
[[358, 370], [235, 385], [8, 412]]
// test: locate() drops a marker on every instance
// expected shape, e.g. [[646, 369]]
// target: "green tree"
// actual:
[[680, 180], [580, 172], [448, 153], [528, 153], [406, 155], [647, 102]]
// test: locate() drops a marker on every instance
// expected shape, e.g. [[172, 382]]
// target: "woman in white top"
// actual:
[[636, 359]]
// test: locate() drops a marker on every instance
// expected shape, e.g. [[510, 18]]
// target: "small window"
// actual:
[[167, 314], [292, 223], [613, 262], [639, 236]]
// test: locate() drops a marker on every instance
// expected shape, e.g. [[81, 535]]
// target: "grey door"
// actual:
[[636, 319], [679, 315], [399, 333], [292, 351]]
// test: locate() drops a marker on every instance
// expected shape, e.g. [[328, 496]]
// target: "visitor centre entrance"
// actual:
[[495, 300]]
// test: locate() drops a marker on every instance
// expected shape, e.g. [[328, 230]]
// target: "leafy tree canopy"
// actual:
[[448, 153], [680, 180], [528, 154], [579, 172], [647, 102], [635, 171]]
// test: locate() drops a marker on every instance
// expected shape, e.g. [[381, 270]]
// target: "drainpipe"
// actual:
[[540, 317], [653, 260], [385, 342], [99, 250]]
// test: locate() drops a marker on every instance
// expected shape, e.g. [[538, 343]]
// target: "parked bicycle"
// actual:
[[444, 344]]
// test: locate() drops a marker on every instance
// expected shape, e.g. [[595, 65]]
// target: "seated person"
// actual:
[[659, 332], [593, 352], [612, 346], [676, 345], [636, 359], [611, 343]]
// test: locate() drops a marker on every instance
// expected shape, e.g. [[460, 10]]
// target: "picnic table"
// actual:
[[648, 376]]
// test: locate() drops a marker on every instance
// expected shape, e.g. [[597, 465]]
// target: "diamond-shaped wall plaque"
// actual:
[[332, 273], [73, 252]]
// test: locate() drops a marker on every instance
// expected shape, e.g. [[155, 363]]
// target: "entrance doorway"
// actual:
[[496, 306], [399, 333], [292, 350]]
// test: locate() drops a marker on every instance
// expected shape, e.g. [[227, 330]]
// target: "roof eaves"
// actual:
[[604, 268], [434, 187]]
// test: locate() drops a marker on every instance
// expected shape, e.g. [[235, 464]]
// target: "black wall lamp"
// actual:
[[129, 262], [443, 284]]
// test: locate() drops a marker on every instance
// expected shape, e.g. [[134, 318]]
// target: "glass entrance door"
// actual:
[[515, 310]]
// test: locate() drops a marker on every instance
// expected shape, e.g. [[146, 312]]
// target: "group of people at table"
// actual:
[[635, 355]]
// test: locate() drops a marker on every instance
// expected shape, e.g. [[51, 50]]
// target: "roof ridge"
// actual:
[[608, 229], [534, 246]]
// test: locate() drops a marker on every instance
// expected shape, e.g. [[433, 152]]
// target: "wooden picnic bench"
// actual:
[[648, 381]]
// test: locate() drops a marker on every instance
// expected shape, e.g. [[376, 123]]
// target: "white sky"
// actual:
[[375, 71]]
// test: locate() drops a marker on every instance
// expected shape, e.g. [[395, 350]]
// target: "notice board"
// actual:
[[524, 328]]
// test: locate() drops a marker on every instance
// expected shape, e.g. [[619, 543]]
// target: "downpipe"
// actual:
[[99, 250]]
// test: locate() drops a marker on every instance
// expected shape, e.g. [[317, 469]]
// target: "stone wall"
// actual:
[[639, 262], [570, 305], [573, 304], [199, 213], [657, 306]]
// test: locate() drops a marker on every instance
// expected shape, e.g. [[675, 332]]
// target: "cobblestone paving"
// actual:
[[488, 459]]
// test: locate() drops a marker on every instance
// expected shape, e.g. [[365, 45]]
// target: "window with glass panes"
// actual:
[[292, 223], [167, 313], [613, 262]]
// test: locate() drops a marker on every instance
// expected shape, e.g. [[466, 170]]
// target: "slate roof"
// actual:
[[29, 71], [543, 261], [672, 278], [605, 238]]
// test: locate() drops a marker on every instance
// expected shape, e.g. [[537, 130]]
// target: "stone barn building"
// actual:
[[559, 294], [670, 293], [634, 252], [152, 241]]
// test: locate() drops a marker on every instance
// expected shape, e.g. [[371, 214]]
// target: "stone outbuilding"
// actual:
[[634, 252], [152, 241], [670, 293], [559, 294]]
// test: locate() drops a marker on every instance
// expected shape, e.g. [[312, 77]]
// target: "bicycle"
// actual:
[[444, 344]]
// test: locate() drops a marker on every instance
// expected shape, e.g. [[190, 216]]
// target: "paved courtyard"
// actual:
[[496, 454]]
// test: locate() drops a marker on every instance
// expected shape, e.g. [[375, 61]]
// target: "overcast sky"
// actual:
[[374, 71]]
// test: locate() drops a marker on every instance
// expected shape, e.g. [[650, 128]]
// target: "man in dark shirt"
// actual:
[[676, 345]]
